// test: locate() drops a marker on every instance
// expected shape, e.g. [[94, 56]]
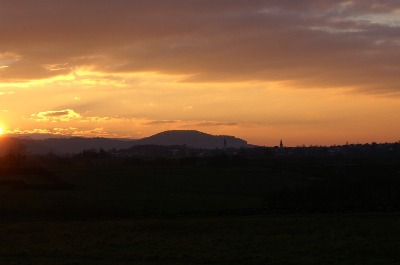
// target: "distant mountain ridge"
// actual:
[[191, 138], [70, 145]]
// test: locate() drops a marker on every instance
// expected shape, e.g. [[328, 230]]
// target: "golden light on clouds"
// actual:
[[56, 116], [311, 72]]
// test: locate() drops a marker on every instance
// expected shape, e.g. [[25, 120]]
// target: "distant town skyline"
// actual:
[[307, 72]]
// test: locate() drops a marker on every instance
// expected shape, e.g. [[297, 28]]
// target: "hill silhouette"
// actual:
[[65, 145], [73, 145], [192, 138]]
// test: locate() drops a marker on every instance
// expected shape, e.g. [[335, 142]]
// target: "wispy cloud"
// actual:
[[158, 122], [190, 123], [2, 93]]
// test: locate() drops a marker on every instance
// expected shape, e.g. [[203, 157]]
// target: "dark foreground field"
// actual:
[[271, 239], [200, 214]]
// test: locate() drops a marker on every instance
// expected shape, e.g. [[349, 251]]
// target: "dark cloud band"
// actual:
[[307, 43]]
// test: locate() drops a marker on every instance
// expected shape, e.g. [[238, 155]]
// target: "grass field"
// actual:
[[176, 215], [144, 191], [271, 239]]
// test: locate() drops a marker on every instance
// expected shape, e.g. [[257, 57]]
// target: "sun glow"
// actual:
[[1, 131]]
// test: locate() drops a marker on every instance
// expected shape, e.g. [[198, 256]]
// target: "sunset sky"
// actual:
[[315, 72]]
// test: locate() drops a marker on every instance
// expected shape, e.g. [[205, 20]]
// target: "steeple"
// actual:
[[281, 147]]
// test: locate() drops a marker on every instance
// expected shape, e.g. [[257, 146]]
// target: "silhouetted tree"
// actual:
[[16, 153]]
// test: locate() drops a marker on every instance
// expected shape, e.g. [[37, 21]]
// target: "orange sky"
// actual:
[[309, 71]]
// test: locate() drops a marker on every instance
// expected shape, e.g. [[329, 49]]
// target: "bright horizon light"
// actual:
[[309, 72]]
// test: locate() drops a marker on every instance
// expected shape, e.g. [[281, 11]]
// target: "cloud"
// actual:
[[17, 131], [2, 93], [190, 123], [69, 115], [56, 116], [63, 132], [158, 122], [212, 123], [188, 108], [95, 132], [306, 43]]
